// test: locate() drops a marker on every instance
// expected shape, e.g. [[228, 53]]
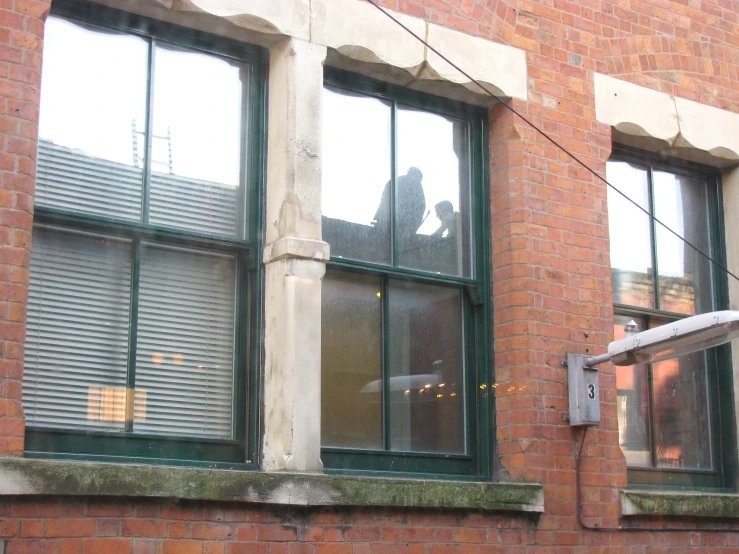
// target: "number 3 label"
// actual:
[[591, 391]]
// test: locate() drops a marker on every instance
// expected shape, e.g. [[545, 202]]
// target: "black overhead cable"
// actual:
[[550, 139]]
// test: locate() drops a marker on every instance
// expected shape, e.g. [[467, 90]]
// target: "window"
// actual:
[[405, 296], [672, 428], [141, 337]]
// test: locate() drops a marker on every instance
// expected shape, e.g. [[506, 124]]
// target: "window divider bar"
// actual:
[[149, 130], [133, 333], [650, 406], [385, 351], [243, 219], [394, 184], [653, 237]]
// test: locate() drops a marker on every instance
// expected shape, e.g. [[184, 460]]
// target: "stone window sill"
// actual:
[[28, 477], [679, 504]]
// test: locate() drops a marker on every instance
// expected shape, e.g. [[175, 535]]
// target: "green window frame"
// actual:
[[241, 449], [652, 471], [473, 290]]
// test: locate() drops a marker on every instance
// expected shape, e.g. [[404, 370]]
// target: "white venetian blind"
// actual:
[[185, 348], [75, 181], [193, 204], [77, 336]]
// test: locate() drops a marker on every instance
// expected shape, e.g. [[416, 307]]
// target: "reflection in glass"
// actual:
[[351, 365], [681, 203], [77, 336], [632, 400], [196, 143], [682, 429], [185, 346], [356, 171], [433, 193], [630, 235], [427, 400], [94, 91]]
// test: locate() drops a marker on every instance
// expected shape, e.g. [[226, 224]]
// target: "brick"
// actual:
[[23, 546], [143, 528], [214, 548], [31, 528], [182, 547], [109, 509], [332, 548], [70, 546], [210, 531], [107, 527], [70, 528], [178, 529], [106, 546], [30, 508], [246, 548], [276, 533]]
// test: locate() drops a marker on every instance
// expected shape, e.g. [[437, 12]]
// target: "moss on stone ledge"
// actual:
[[679, 504], [21, 476]]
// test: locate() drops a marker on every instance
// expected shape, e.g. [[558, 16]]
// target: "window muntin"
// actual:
[[88, 105], [396, 184], [641, 251], [668, 412], [158, 348], [402, 359]]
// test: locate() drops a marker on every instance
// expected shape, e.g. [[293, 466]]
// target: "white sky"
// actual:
[[89, 105], [629, 226], [356, 157]]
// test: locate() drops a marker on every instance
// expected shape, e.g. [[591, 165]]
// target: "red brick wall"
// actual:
[[551, 292], [21, 40], [148, 527]]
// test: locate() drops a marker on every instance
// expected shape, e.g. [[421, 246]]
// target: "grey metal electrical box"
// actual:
[[584, 394]]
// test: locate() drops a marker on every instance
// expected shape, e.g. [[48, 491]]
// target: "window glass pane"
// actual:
[[77, 336], [681, 203], [355, 195], [185, 348], [92, 99], [351, 363], [682, 426], [630, 235], [427, 389], [632, 400], [196, 145], [433, 194]]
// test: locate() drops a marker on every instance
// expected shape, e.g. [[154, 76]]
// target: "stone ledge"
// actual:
[[679, 504], [28, 477]]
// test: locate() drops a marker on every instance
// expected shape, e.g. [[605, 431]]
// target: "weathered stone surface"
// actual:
[[295, 258], [687, 504], [638, 111], [500, 68], [23, 477]]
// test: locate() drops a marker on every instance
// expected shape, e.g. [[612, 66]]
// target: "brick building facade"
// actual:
[[658, 76]]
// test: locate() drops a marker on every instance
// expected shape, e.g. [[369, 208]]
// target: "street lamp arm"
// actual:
[[676, 338]]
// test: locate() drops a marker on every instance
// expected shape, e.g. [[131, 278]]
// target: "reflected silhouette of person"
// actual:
[[411, 204], [447, 218]]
